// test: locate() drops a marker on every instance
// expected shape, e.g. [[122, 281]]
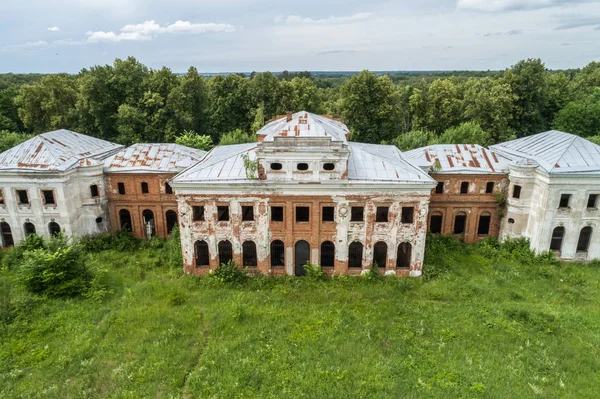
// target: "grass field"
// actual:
[[486, 324]]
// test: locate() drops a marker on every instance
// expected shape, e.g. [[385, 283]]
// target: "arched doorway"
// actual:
[[202, 255], [585, 235], [125, 220], [404, 255], [277, 253], [380, 254], [54, 229], [355, 253], [225, 252], [171, 217], [302, 256], [6, 237], [557, 238], [148, 220], [29, 228]]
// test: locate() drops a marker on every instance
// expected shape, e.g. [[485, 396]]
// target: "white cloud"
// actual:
[[333, 20], [54, 29], [512, 5], [25, 46], [148, 29]]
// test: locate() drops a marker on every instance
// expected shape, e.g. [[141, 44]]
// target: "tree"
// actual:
[[465, 133], [266, 93], [229, 105], [237, 136], [370, 107], [413, 139], [444, 105], [193, 140], [9, 113], [586, 81], [11, 139], [581, 118], [188, 104]]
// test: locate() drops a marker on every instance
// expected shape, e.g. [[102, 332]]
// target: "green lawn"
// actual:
[[486, 326]]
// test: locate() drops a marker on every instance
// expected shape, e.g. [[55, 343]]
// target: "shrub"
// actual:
[[373, 273], [120, 241], [59, 270], [314, 272], [13, 257], [229, 274]]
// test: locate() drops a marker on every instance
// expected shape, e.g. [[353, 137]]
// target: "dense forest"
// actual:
[[128, 102]]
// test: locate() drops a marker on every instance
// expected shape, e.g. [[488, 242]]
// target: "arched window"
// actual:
[[435, 223], [583, 243], [327, 254], [6, 238], [380, 254], [29, 228], [485, 219], [557, 238], [355, 253], [249, 254], [54, 229], [225, 252], [404, 255], [460, 223], [171, 218], [149, 225], [201, 254], [125, 220], [277, 253]]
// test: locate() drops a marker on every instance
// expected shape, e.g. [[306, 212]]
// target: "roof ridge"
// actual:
[[567, 147]]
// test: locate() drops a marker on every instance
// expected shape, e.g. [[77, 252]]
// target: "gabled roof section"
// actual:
[[57, 151], [222, 163], [376, 162], [555, 151], [304, 124], [458, 158], [153, 158]]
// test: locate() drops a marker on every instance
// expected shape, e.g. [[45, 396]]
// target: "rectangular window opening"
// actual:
[[48, 197], [564, 200], [276, 214], [198, 213], [1, 197], [464, 187], [168, 189], [435, 224], [460, 222], [223, 213], [302, 214], [382, 214], [121, 187], [23, 197], [247, 213], [94, 192], [439, 189], [328, 214], [407, 214], [517, 192], [489, 188], [592, 201], [357, 214], [484, 225], [144, 188]]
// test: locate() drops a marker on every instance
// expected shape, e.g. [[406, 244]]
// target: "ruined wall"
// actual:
[[136, 202], [474, 203], [262, 231]]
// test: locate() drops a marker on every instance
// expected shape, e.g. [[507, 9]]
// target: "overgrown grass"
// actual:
[[489, 321]]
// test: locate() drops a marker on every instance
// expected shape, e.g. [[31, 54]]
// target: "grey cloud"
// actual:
[[511, 32], [329, 52], [572, 21], [513, 5]]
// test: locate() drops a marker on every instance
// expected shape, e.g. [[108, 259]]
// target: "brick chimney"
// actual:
[[288, 116]]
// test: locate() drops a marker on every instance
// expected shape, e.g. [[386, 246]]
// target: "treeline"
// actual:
[[128, 102]]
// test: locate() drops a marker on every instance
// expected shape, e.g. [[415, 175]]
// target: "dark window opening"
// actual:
[[357, 214], [121, 187], [302, 214], [168, 189], [489, 188], [302, 166], [407, 214], [202, 255], [564, 201], [48, 197], [460, 222], [435, 224], [380, 254], [511, 220], [144, 188], [464, 187], [327, 254], [171, 219], [439, 189], [29, 228], [225, 252], [249, 254], [223, 213], [1, 197], [557, 238], [355, 253], [94, 192], [276, 166], [484, 225], [382, 214], [6, 237], [583, 243], [592, 201], [404, 255], [247, 213], [517, 192], [197, 213], [149, 225], [99, 219], [23, 197], [125, 220], [328, 166], [328, 214], [54, 229], [277, 253], [277, 214]]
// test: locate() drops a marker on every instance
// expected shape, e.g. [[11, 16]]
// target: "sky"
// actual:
[[49, 36]]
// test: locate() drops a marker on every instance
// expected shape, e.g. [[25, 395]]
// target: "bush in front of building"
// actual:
[[372, 273], [119, 241], [13, 257], [314, 272], [229, 274]]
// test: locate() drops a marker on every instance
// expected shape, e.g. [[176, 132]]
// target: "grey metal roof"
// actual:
[[366, 163], [556, 152], [305, 124], [153, 158], [458, 158], [57, 151]]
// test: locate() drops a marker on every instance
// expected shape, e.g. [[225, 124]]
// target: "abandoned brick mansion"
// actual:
[[304, 193]]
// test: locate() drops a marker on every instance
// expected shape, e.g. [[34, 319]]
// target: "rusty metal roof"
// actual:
[[57, 151], [305, 124], [554, 151], [153, 158], [458, 158]]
